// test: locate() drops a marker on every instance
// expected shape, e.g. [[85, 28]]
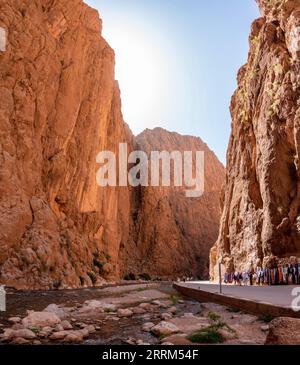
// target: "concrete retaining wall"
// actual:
[[257, 308]]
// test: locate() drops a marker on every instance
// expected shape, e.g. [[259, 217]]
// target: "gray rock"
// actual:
[[41, 319], [164, 329], [166, 316], [147, 326], [124, 313], [54, 308]]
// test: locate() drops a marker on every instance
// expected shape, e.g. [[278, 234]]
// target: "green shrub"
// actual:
[[266, 318], [213, 316], [208, 334], [129, 276], [92, 276], [141, 289], [56, 284], [145, 276], [81, 278], [35, 330], [174, 299], [98, 263]]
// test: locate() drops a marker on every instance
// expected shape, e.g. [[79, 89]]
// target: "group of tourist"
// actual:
[[280, 275]]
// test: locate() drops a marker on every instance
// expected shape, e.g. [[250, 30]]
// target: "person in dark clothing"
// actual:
[[251, 277]]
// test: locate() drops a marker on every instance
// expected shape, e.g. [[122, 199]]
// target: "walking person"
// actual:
[[251, 277]]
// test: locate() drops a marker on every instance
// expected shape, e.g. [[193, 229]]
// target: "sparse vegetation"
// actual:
[[266, 318], [56, 284], [141, 289], [208, 334], [92, 276], [81, 278], [211, 334], [35, 330], [214, 317], [129, 276], [174, 299], [145, 276]]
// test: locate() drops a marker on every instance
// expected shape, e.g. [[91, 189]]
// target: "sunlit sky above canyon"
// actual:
[[177, 60]]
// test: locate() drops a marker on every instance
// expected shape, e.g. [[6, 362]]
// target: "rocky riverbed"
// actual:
[[140, 313]]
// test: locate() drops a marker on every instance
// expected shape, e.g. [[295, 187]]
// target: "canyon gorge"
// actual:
[[60, 105]]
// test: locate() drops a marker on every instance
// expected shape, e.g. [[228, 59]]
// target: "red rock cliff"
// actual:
[[172, 234], [260, 224], [60, 106]]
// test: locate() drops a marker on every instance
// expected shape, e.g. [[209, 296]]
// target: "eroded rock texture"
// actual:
[[172, 234], [260, 224], [59, 107]]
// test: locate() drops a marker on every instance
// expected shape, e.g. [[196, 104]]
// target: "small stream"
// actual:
[[111, 331]]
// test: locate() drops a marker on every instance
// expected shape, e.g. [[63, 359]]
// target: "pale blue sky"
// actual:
[[177, 60]]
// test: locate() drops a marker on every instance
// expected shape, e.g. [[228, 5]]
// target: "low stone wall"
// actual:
[[248, 306]]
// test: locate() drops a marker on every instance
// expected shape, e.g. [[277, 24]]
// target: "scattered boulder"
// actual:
[[74, 337], [138, 310], [17, 326], [164, 329], [19, 341], [54, 308], [41, 319], [14, 319], [90, 328], [284, 331], [177, 339], [159, 304], [25, 333], [172, 310], [58, 328], [165, 316], [97, 305], [124, 313], [130, 341], [265, 328], [45, 332], [147, 326], [71, 335], [145, 305], [58, 335], [66, 325]]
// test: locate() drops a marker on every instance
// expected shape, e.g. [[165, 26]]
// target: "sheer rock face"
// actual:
[[172, 234], [59, 106], [260, 224]]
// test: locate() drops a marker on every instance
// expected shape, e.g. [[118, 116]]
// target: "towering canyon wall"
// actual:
[[260, 223], [59, 107], [171, 233]]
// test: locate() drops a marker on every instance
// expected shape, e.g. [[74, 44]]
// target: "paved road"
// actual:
[[276, 295]]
